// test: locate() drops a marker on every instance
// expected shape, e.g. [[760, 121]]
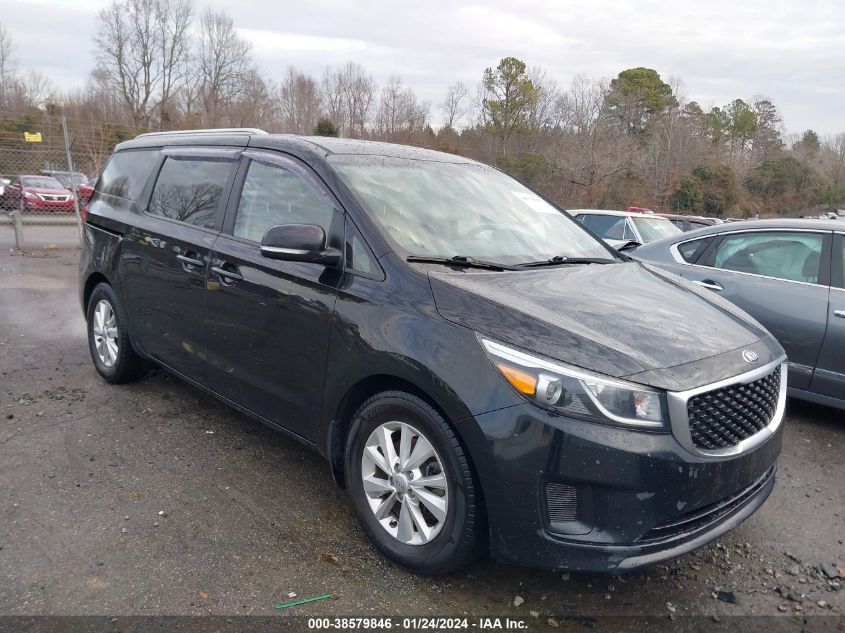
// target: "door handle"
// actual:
[[189, 262], [839, 313], [224, 274], [710, 285]]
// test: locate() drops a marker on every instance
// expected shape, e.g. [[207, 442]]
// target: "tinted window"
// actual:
[[273, 195], [611, 227], [358, 256], [691, 251], [781, 254], [678, 223], [697, 225], [127, 173], [190, 190]]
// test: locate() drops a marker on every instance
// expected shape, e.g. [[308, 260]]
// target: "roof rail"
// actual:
[[226, 130]]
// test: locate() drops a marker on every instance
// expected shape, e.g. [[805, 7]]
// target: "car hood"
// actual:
[[47, 192], [620, 320]]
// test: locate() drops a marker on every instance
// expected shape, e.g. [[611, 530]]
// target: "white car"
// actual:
[[618, 228]]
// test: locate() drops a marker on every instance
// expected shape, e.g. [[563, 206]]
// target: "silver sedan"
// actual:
[[787, 274]]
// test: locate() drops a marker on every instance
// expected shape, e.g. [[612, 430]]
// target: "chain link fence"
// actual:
[[48, 166]]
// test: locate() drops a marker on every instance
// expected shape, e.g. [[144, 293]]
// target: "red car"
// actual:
[[69, 179], [37, 193]]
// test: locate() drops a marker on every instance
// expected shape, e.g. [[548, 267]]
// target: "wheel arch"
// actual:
[[337, 433], [93, 280]]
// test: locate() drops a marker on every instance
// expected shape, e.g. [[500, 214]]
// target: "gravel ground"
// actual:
[[152, 498]]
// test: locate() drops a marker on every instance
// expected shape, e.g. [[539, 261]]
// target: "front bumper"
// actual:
[[629, 498], [43, 206]]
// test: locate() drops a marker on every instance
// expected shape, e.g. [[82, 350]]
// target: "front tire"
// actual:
[[411, 485], [108, 338]]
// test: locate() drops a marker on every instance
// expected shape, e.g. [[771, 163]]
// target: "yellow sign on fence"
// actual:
[[32, 137]]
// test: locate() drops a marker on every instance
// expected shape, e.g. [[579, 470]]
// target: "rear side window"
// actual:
[[779, 254], [127, 173], [691, 251], [190, 190]]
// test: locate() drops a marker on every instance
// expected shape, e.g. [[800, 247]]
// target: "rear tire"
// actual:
[[108, 338], [426, 516]]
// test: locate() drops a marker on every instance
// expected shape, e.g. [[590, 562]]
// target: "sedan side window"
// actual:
[[781, 254], [273, 195], [690, 251]]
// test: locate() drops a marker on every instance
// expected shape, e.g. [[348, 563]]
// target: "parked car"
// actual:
[[787, 274], [480, 371], [75, 179], [618, 228], [690, 222], [37, 194]]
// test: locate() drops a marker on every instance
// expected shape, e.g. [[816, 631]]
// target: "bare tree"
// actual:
[[173, 23], [456, 105], [834, 158], [299, 101], [8, 64], [400, 114], [139, 47], [257, 105], [332, 98], [590, 151], [348, 94], [32, 90], [358, 89], [225, 59]]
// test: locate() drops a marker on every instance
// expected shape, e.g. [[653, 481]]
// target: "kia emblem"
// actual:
[[749, 356]]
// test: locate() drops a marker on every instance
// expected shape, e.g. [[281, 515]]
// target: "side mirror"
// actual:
[[628, 246], [299, 243]]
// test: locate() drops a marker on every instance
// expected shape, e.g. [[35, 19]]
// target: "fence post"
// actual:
[[16, 218], [72, 177]]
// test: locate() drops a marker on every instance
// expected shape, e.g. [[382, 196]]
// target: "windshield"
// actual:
[[652, 229], [41, 182], [436, 209], [67, 179]]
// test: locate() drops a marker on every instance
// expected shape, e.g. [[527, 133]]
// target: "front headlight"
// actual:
[[578, 393]]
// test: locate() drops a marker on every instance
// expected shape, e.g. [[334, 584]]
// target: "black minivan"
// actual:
[[481, 372]]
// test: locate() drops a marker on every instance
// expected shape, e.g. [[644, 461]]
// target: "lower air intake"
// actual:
[[562, 501]]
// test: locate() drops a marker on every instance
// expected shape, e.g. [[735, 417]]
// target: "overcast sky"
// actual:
[[792, 52]]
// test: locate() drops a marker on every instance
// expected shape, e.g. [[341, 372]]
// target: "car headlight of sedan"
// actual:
[[578, 393]]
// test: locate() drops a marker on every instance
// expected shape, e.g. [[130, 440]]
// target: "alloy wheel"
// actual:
[[405, 483], [105, 333]]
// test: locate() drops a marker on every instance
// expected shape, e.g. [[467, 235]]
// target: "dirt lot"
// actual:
[[154, 499]]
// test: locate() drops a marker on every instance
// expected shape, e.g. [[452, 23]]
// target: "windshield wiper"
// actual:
[[459, 260], [557, 260]]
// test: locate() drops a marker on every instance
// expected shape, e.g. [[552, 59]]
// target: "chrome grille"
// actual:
[[724, 417]]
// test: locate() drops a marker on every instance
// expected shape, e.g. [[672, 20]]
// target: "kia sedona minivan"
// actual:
[[482, 373]]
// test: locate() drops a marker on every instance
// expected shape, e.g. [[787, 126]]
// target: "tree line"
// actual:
[[632, 140]]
